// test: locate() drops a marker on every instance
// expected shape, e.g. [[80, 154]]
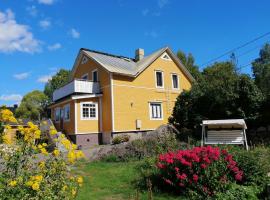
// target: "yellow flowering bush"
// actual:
[[29, 171]]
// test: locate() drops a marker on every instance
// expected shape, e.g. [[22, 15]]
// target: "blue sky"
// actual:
[[37, 37]]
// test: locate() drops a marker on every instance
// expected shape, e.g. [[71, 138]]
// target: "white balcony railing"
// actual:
[[76, 86]]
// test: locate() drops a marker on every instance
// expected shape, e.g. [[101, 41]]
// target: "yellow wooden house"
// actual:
[[110, 95]]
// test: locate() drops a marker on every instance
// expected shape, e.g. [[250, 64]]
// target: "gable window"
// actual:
[[95, 75], [159, 79], [84, 60], [165, 56], [67, 112], [175, 81], [89, 111], [57, 114], [155, 109], [84, 77]]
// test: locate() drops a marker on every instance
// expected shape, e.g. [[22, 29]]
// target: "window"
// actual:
[[84, 60], [95, 76], [89, 110], [156, 111], [165, 56], [85, 76], [175, 81], [57, 114], [159, 79], [67, 112]]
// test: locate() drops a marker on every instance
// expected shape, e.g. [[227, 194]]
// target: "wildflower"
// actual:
[[44, 151], [53, 131], [195, 178], [41, 165], [73, 192], [64, 187], [6, 139], [56, 152], [80, 180], [12, 183], [35, 186]]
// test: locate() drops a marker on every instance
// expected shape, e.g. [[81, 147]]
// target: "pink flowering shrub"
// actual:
[[206, 170]]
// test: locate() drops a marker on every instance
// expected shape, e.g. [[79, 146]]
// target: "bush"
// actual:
[[205, 170], [256, 165], [120, 139], [29, 171]]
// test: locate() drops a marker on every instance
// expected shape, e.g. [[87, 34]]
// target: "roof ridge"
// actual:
[[107, 54]]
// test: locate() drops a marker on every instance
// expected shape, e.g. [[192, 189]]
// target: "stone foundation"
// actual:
[[86, 140]]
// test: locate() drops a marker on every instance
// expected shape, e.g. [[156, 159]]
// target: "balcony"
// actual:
[[76, 87]]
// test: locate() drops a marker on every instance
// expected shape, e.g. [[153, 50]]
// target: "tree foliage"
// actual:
[[57, 81], [33, 106], [189, 62], [221, 93]]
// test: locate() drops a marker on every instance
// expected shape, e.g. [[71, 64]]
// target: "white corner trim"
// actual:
[[162, 75], [75, 120], [112, 100], [100, 115]]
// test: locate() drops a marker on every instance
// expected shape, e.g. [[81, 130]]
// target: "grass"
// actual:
[[111, 181]]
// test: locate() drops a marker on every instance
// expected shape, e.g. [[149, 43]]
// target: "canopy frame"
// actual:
[[230, 131]]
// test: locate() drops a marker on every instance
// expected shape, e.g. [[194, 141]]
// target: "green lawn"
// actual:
[[111, 181]]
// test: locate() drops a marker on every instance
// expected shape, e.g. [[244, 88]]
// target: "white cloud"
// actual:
[[14, 36], [152, 34], [54, 46], [32, 10], [45, 24], [11, 97], [162, 3], [145, 12], [21, 76], [44, 79], [74, 33], [46, 2]]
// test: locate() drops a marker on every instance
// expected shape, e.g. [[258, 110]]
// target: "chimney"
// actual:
[[139, 54]]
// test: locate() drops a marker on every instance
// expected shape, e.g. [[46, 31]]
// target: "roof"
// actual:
[[226, 123], [127, 66]]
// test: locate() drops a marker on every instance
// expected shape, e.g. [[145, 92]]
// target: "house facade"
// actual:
[[109, 95]]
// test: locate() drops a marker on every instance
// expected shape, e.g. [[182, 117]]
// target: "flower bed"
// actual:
[[206, 170]]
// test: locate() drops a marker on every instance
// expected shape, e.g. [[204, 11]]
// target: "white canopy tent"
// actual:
[[228, 131]]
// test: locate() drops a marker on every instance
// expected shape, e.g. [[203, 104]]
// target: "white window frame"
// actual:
[[95, 70], [162, 75], [164, 55], [58, 109], [85, 75], [89, 118], [84, 60], [150, 110], [65, 108], [178, 81]]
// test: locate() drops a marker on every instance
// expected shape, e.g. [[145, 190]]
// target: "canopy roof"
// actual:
[[225, 123]]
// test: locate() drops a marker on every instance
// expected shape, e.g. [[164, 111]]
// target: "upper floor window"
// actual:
[[175, 81], [89, 110], [95, 75], [159, 79], [156, 111], [67, 112], [84, 77]]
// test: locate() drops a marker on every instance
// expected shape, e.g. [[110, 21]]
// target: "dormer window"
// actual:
[[159, 79]]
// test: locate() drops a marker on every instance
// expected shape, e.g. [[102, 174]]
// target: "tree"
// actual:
[[33, 106], [221, 94], [58, 80], [189, 62], [261, 70]]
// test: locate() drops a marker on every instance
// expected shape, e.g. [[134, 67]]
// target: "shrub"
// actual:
[[120, 139], [29, 171], [205, 170], [256, 165]]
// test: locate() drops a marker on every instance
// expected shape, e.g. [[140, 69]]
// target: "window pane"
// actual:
[[159, 79], [175, 81], [156, 112], [95, 78]]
